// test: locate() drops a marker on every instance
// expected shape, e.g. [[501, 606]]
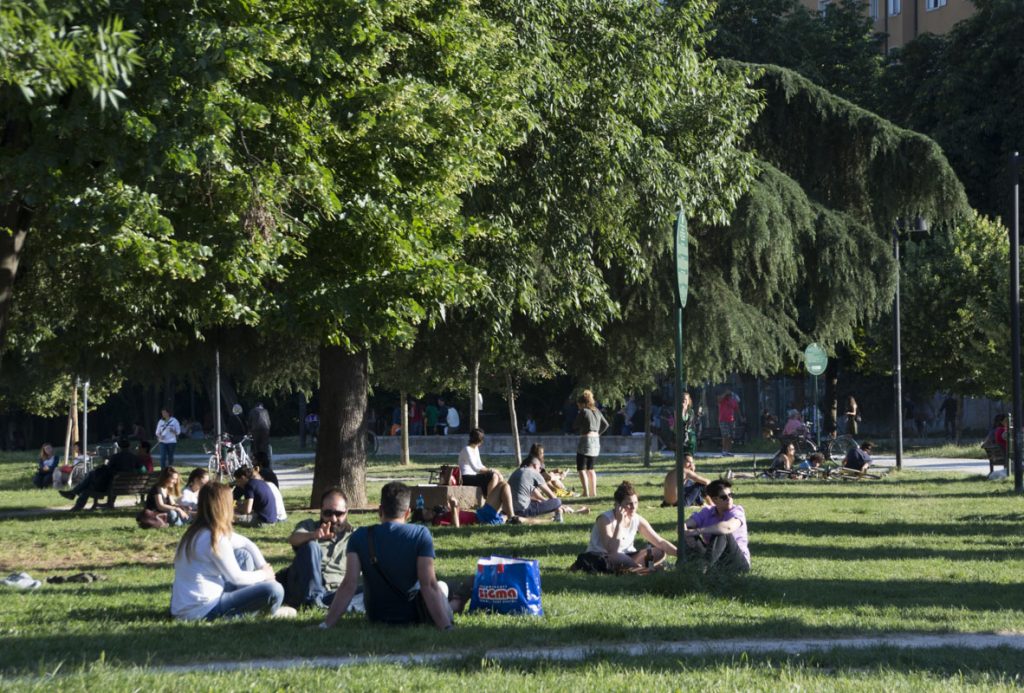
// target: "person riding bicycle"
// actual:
[[795, 426]]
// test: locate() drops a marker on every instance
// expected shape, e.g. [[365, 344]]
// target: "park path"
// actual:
[[576, 653]]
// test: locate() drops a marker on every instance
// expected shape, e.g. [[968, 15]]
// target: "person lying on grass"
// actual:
[[612, 548], [218, 573], [717, 534], [814, 461], [396, 560], [693, 485], [497, 510]]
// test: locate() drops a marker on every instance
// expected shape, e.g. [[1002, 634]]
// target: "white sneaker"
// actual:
[[21, 581], [284, 612]]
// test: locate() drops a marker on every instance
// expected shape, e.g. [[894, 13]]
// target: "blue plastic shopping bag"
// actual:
[[507, 586]]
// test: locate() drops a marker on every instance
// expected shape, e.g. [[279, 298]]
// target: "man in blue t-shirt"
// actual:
[[258, 505], [397, 561]]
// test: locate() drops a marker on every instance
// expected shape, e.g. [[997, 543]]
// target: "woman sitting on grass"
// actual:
[[219, 573], [162, 498], [611, 541], [693, 485], [190, 496], [783, 461]]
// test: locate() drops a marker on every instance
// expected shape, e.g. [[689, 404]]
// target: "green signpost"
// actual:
[[682, 258], [816, 361]]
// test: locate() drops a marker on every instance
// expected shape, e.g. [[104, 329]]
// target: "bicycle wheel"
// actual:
[[212, 465], [804, 447], [371, 443], [837, 449]]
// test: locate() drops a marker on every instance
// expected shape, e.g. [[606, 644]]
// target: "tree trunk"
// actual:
[[831, 398], [647, 427], [513, 418], [17, 219], [341, 445], [69, 433], [403, 402], [474, 397]]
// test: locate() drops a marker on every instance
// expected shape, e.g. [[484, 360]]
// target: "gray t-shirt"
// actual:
[[332, 552], [522, 482]]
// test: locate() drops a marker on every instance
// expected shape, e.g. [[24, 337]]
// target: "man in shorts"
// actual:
[[728, 409]]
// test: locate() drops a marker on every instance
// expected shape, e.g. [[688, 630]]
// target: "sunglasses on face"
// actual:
[[724, 496], [333, 513]]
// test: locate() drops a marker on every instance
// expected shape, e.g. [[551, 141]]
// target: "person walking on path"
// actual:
[[259, 427], [852, 416], [589, 425], [167, 431], [728, 411]]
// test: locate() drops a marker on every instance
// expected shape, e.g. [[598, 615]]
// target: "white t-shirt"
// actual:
[[189, 498], [469, 460], [168, 430], [278, 501], [199, 583]]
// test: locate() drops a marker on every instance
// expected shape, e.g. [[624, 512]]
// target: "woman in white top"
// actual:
[[615, 531], [190, 496], [473, 472], [219, 573]]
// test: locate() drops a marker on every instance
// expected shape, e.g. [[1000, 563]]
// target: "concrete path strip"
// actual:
[[576, 653]]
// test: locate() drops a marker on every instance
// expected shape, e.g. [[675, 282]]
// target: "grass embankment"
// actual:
[[912, 553]]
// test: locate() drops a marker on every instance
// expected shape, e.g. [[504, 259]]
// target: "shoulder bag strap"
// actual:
[[376, 564]]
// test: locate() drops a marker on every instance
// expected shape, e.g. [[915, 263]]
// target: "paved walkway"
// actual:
[[576, 653]]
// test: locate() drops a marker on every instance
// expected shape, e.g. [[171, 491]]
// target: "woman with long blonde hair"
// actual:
[[219, 573], [590, 424]]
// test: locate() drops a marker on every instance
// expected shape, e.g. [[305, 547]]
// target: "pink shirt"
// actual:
[[727, 409]]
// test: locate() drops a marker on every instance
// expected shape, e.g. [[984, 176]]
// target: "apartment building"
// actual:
[[901, 21]]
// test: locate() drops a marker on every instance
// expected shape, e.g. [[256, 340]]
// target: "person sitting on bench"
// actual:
[[98, 482], [473, 472]]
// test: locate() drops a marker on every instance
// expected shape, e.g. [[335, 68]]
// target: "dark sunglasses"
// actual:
[[725, 496], [333, 513]]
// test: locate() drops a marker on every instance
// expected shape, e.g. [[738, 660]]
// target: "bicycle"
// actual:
[[839, 447], [372, 444], [228, 456]]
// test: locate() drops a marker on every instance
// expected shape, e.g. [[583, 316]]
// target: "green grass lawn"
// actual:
[[912, 553]]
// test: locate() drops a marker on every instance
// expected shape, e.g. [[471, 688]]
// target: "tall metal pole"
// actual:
[[816, 413], [1018, 439], [85, 419], [216, 394], [897, 366], [680, 436]]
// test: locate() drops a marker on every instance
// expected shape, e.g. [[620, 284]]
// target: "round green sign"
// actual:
[[815, 359]]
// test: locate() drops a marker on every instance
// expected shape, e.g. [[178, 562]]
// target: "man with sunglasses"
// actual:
[[717, 534], [320, 547]]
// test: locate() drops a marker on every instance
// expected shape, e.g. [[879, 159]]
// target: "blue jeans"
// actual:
[[304, 579], [167, 455], [238, 601]]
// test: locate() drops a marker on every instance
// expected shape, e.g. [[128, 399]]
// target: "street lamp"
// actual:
[[920, 226]]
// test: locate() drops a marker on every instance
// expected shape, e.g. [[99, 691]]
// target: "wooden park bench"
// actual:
[[131, 483], [997, 458]]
